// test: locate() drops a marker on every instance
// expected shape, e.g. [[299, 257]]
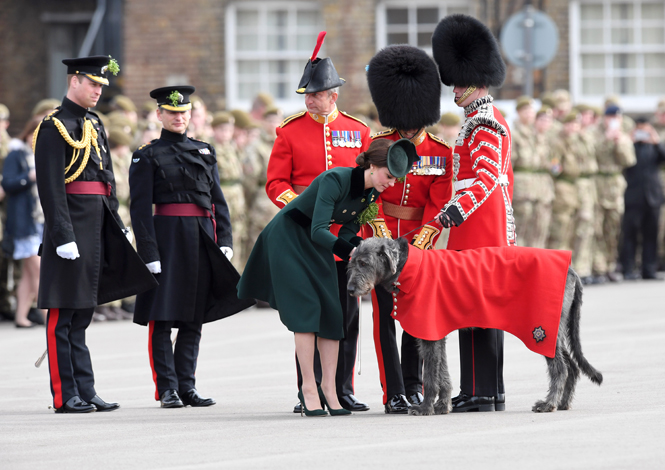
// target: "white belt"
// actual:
[[463, 184]]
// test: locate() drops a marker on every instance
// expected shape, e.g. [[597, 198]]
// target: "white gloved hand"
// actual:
[[128, 233], [228, 252], [155, 267], [68, 251]]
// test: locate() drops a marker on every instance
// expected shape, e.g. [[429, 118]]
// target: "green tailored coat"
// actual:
[[292, 265]]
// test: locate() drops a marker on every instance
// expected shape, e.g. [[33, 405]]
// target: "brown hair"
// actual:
[[376, 154], [29, 129]]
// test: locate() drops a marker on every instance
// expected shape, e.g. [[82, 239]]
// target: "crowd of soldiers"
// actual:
[[567, 161]]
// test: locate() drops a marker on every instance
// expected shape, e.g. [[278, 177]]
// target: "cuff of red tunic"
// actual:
[[342, 248]]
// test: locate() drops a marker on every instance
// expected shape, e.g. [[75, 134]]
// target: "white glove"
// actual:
[[155, 267], [68, 251], [128, 233], [228, 252]]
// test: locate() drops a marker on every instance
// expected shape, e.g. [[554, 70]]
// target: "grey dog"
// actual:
[[379, 261]]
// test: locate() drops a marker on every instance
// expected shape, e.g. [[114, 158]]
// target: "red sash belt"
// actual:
[[88, 187], [187, 210]]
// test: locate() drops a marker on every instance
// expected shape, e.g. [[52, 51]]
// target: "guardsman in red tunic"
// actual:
[[405, 87], [481, 211], [308, 144]]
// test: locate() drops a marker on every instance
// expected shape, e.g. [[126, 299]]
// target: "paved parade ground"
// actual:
[[247, 364]]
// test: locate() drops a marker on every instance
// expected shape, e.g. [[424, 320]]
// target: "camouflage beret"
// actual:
[[544, 111], [450, 119], [222, 117], [124, 103], [118, 136], [263, 98], [523, 101], [271, 110], [570, 117], [242, 118], [45, 106]]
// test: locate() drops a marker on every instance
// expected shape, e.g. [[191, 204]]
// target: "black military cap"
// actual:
[[319, 74], [401, 156], [173, 98], [95, 67]]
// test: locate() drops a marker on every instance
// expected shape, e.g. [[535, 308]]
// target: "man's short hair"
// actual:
[[333, 90]]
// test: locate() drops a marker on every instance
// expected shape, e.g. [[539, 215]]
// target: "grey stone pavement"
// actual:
[[247, 363]]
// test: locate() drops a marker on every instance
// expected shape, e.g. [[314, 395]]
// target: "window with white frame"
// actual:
[[618, 48], [399, 22], [267, 47]]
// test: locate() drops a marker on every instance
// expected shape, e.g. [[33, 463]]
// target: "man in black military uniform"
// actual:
[[87, 260], [185, 243]]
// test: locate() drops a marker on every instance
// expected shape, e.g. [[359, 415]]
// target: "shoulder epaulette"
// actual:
[[147, 143], [197, 140], [383, 133], [438, 139], [354, 118], [291, 118]]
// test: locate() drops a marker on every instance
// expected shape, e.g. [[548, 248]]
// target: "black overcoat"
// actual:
[[643, 185], [108, 268], [170, 170]]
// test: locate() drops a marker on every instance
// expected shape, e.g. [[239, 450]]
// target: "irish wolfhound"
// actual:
[[379, 261]]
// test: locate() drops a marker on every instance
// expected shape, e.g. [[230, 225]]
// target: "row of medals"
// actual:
[[340, 142]]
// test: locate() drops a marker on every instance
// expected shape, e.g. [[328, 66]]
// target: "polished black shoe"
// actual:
[[468, 403], [75, 405], [351, 403], [415, 398], [192, 398], [170, 399], [500, 402], [632, 276], [397, 405], [101, 405]]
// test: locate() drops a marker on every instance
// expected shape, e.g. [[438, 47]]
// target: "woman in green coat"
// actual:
[[292, 266]]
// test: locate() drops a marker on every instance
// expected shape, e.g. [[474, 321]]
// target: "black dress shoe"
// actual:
[[192, 398], [101, 405], [298, 408], [75, 405], [415, 398], [351, 403], [500, 402], [397, 405], [468, 403], [170, 399]]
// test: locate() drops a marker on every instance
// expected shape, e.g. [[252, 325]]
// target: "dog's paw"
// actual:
[[543, 407], [421, 411], [441, 408], [563, 407]]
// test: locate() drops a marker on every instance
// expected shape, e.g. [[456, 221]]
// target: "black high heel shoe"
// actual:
[[339, 412], [307, 412]]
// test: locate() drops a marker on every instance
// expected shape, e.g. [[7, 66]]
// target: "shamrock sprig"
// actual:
[[114, 68], [368, 214], [174, 98]]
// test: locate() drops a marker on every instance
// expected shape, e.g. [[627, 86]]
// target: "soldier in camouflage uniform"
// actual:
[[659, 125], [533, 189], [230, 177], [585, 222], [614, 152], [564, 164]]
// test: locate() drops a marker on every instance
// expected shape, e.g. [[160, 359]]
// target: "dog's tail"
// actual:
[[574, 335]]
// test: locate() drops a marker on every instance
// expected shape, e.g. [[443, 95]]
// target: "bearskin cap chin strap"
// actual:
[[465, 95]]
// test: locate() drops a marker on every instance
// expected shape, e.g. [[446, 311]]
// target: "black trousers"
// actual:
[[397, 377], [348, 347], [640, 220], [70, 367], [174, 368], [481, 362]]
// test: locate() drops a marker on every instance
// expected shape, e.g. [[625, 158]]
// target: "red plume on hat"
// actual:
[[319, 74]]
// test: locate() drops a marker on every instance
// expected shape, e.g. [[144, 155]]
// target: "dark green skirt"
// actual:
[[296, 277]]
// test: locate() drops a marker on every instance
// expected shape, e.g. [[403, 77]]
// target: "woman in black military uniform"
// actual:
[[292, 265], [86, 258], [185, 243]]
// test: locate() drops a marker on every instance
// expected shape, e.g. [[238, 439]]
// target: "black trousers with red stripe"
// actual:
[[70, 367], [348, 347], [481, 362], [397, 377], [174, 368]]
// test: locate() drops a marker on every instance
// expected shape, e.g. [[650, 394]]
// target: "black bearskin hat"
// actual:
[[405, 87], [467, 53]]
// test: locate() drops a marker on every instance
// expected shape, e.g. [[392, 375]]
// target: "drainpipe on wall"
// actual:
[[96, 22]]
